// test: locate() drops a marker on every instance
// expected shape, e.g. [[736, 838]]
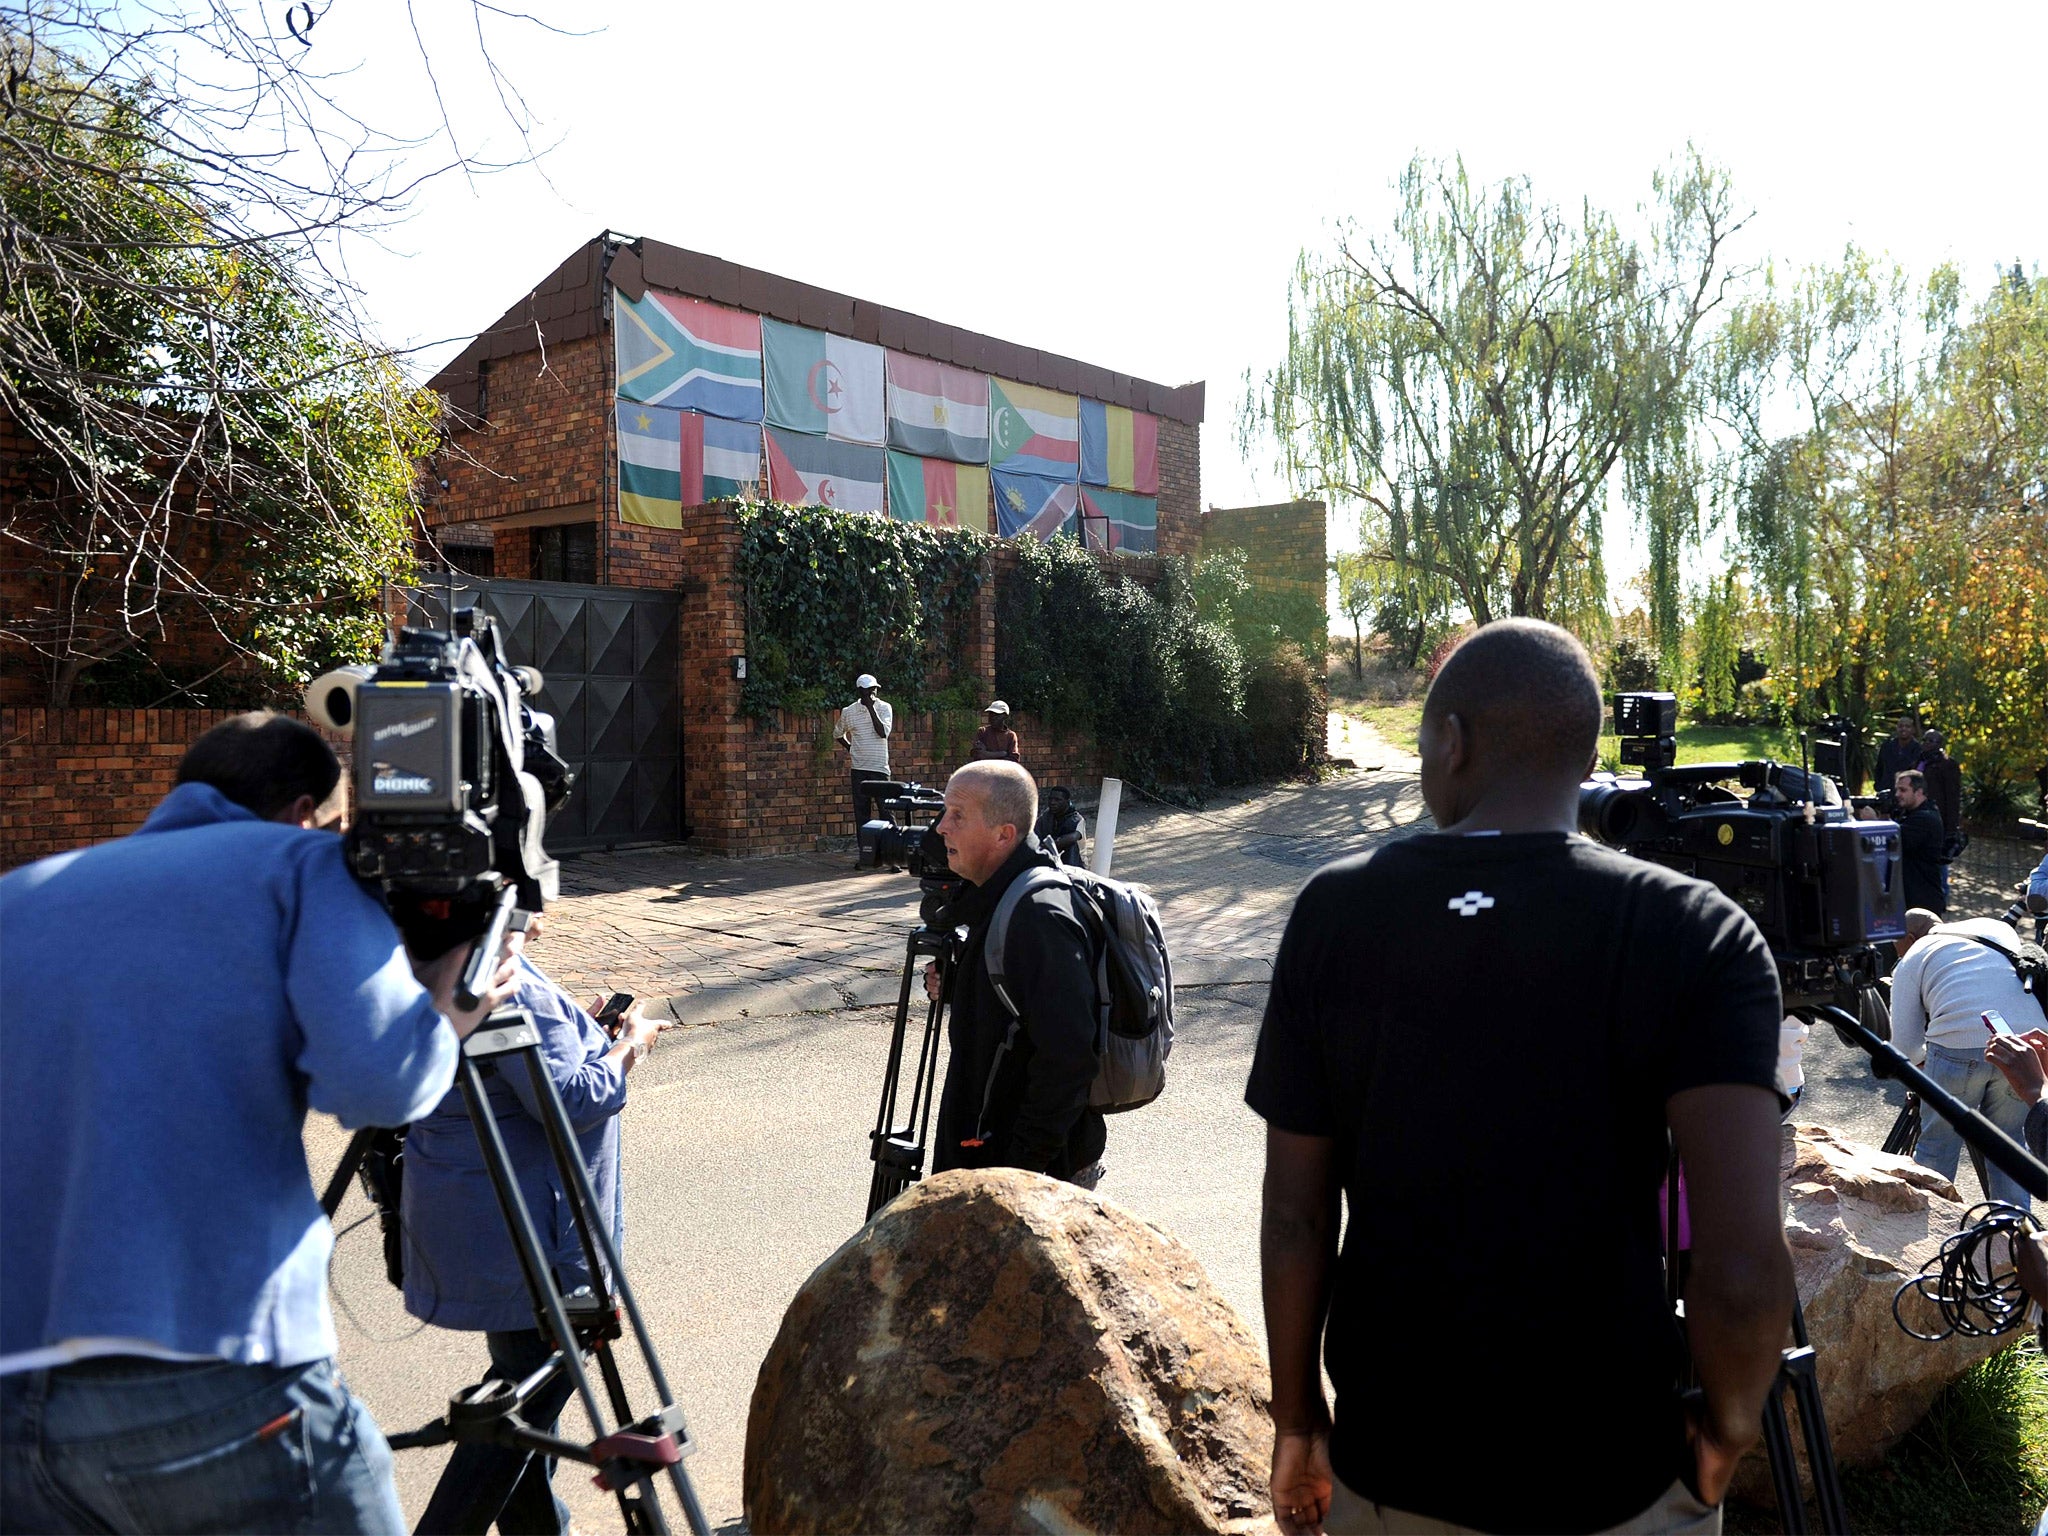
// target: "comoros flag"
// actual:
[[689, 354], [1032, 504], [669, 460], [812, 471], [938, 491], [1119, 520], [1119, 448], [937, 411], [1033, 431], [818, 382]]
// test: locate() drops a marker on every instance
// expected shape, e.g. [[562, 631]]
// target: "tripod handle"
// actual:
[[484, 958]]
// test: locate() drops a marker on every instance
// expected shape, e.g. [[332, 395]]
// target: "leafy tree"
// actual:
[[1475, 380], [1901, 534], [1717, 648], [216, 471]]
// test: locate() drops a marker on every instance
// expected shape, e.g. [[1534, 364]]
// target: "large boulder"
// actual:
[[1860, 1224], [997, 1351]]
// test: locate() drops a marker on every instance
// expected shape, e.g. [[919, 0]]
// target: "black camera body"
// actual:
[[1824, 888], [905, 836], [455, 774]]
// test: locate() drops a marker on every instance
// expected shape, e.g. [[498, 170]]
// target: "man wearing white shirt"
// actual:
[[864, 727], [1944, 985]]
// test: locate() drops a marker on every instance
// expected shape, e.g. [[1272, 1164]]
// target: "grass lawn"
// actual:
[[1977, 1462]]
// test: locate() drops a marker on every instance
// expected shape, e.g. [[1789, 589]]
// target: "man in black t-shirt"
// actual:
[[1480, 1038]]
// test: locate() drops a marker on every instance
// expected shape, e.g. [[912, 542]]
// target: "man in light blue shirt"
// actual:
[[171, 1004], [2037, 886]]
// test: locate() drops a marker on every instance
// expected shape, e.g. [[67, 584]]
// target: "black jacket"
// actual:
[[1034, 1113], [1920, 840], [1893, 759], [1944, 788]]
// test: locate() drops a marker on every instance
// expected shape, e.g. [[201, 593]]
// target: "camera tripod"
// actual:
[[630, 1458], [1798, 1374], [898, 1149]]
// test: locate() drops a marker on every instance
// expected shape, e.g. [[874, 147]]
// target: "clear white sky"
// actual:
[[1129, 184]]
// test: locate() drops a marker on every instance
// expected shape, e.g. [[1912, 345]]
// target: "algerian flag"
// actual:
[[937, 491], [818, 382]]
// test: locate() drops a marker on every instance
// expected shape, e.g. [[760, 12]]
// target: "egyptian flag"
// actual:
[[936, 411]]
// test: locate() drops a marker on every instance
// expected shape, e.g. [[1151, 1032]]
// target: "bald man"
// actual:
[[1485, 1038], [1016, 1093]]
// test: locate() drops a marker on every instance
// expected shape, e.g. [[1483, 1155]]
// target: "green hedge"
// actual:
[[1177, 691], [830, 595]]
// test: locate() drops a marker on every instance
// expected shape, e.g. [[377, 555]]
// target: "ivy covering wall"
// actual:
[[1187, 686], [830, 595]]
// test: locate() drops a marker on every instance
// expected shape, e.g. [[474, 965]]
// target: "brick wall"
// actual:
[[1180, 487], [542, 444], [69, 777], [1285, 546]]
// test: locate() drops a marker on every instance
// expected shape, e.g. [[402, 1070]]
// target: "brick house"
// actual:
[[526, 492]]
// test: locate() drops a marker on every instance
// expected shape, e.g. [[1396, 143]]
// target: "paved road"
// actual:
[[745, 1136]]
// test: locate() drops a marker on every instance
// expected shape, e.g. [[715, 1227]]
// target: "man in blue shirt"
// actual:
[[171, 1004]]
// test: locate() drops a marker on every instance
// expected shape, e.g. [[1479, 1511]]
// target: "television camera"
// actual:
[[905, 836], [455, 777], [1824, 888]]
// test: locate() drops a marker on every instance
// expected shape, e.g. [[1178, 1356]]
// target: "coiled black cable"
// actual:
[[1974, 1281]]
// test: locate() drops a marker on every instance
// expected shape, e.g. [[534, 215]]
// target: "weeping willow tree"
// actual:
[[1474, 381]]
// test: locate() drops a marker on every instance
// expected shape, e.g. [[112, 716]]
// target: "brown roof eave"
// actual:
[[568, 304]]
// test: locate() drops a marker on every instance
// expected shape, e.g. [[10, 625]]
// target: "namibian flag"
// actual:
[[937, 411], [938, 491], [1119, 448], [669, 460], [1033, 431], [1032, 504], [1118, 520], [809, 471], [687, 353]]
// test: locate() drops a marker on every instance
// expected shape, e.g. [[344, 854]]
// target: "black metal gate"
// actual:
[[611, 660]]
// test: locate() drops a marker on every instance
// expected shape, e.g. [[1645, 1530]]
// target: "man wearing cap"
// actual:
[[995, 738], [864, 727]]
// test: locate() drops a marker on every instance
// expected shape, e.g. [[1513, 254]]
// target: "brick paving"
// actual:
[[705, 939]]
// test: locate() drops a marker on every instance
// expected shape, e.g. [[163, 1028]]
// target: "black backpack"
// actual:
[[1133, 982]]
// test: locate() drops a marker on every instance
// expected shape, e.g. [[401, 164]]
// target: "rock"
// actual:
[[1860, 1224], [998, 1351]]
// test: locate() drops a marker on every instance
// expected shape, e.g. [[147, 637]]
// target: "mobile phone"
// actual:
[[1995, 1022], [614, 1006]]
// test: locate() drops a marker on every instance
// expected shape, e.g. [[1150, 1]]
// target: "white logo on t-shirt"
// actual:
[[1471, 904]]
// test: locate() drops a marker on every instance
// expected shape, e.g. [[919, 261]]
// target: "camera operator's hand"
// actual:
[[441, 977], [932, 985], [1302, 1480]]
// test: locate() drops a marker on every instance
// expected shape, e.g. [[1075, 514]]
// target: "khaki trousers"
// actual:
[[1677, 1513]]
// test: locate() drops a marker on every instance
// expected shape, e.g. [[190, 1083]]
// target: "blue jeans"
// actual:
[[123, 1444], [1981, 1086], [483, 1483]]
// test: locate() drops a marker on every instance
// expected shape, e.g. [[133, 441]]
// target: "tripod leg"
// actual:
[[1784, 1466], [601, 1250]]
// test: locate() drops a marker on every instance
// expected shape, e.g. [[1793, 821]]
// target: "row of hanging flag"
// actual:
[[671, 459], [852, 425]]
